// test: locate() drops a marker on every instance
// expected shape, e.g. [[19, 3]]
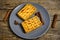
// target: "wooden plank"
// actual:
[[50, 37], [47, 4], [2, 13], [10, 4]]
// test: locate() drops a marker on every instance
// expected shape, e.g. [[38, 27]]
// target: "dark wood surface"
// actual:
[[52, 6]]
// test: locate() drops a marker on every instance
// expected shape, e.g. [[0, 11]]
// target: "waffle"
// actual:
[[31, 24], [26, 11]]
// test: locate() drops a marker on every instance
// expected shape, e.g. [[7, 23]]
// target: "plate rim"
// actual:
[[34, 37]]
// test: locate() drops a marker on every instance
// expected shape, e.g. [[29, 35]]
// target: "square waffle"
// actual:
[[31, 24], [26, 11]]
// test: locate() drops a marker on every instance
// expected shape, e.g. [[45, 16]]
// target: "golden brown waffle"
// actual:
[[31, 24], [26, 11]]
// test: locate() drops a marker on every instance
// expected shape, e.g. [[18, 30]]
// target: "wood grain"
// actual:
[[52, 6]]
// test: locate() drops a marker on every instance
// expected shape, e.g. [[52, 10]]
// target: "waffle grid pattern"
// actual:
[[31, 24], [26, 11]]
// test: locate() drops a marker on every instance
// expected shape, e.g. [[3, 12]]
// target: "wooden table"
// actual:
[[52, 6]]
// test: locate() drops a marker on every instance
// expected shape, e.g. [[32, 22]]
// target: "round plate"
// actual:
[[34, 34]]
